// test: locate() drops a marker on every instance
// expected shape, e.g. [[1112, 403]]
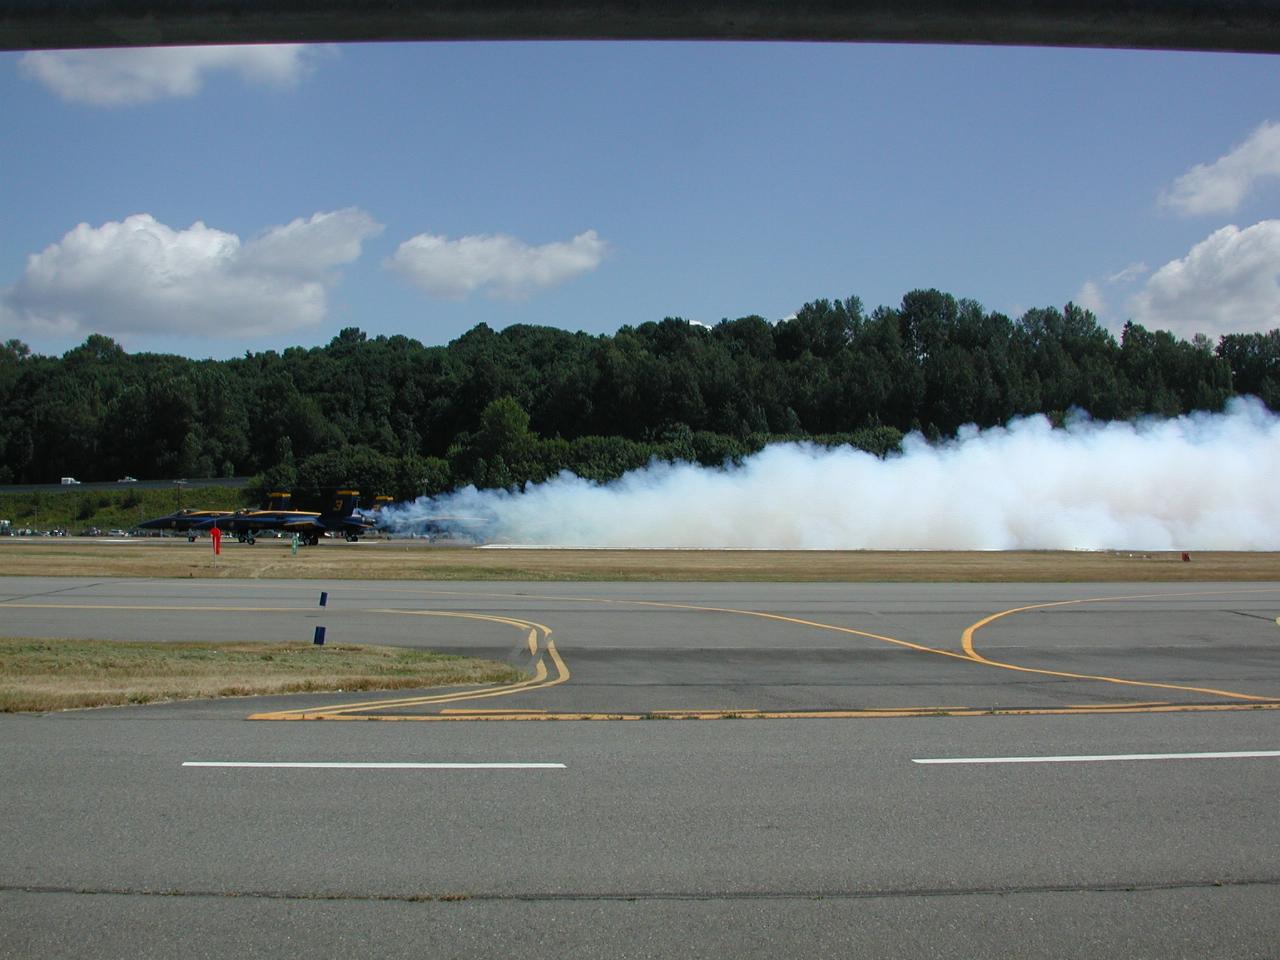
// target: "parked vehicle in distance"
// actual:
[[90, 532], [69, 481], [117, 532], [127, 479]]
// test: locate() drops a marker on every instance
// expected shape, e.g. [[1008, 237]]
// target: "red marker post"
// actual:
[[217, 541]]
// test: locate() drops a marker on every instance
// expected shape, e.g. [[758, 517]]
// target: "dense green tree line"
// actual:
[[502, 408]]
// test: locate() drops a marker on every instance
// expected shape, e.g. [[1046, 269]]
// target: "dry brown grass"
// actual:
[[414, 560], [40, 674]]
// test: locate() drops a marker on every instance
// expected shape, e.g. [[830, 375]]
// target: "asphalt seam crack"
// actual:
[[52, 593], [655, 896], [1252, 616]]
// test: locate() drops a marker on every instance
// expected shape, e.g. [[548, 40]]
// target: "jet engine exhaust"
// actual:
[[1197, 482]]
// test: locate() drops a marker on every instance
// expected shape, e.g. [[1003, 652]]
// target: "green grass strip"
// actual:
[[38, 674]]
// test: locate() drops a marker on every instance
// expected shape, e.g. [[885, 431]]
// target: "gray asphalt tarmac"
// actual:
[[732, 837]]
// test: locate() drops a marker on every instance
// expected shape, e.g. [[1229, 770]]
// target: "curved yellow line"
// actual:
[[538, 680], [966, 641], [506, 621], [818, 626], [970, 653], [765, 616], [350, 711]]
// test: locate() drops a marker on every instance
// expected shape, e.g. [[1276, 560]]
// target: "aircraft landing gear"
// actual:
[[191, 538], [313, 541], [352, 538]]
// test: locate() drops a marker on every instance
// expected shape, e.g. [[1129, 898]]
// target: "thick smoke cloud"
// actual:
[[1206, 481]]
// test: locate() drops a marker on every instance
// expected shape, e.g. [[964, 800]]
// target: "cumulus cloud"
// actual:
[[1219, 187], [1205, 481], [497, 265], [142, 74], [139, 276], [1227, 283]]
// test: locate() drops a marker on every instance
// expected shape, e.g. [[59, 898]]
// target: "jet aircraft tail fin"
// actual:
[[279, 500], [344, 503]]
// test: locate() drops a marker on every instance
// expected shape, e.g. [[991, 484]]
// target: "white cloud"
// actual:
[[1095, 295], [1130, 273], [142, 74], [140, 276], [1225, 284], [497, 265], [1090, 297], [307, 249], [1219, 187]]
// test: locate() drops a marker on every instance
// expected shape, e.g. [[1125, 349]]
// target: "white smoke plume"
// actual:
[[1205, 482]]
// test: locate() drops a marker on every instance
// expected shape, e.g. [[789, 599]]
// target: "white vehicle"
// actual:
[[69, 481]]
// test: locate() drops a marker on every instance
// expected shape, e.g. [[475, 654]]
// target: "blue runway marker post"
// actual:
[[324, 602]]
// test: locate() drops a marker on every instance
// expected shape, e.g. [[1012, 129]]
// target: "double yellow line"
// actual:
[[548, 669], [970, 654], [538, 641]]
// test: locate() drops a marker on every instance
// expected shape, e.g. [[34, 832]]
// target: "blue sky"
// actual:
[[423, 188]]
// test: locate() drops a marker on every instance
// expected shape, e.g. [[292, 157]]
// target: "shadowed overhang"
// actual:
[[1232, 25]]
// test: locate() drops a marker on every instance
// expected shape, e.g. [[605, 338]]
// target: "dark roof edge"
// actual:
[[1229, 25]]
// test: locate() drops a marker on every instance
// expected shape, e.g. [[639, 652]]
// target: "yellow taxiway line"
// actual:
[[966, 641], [888, 712], [539, 638]]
